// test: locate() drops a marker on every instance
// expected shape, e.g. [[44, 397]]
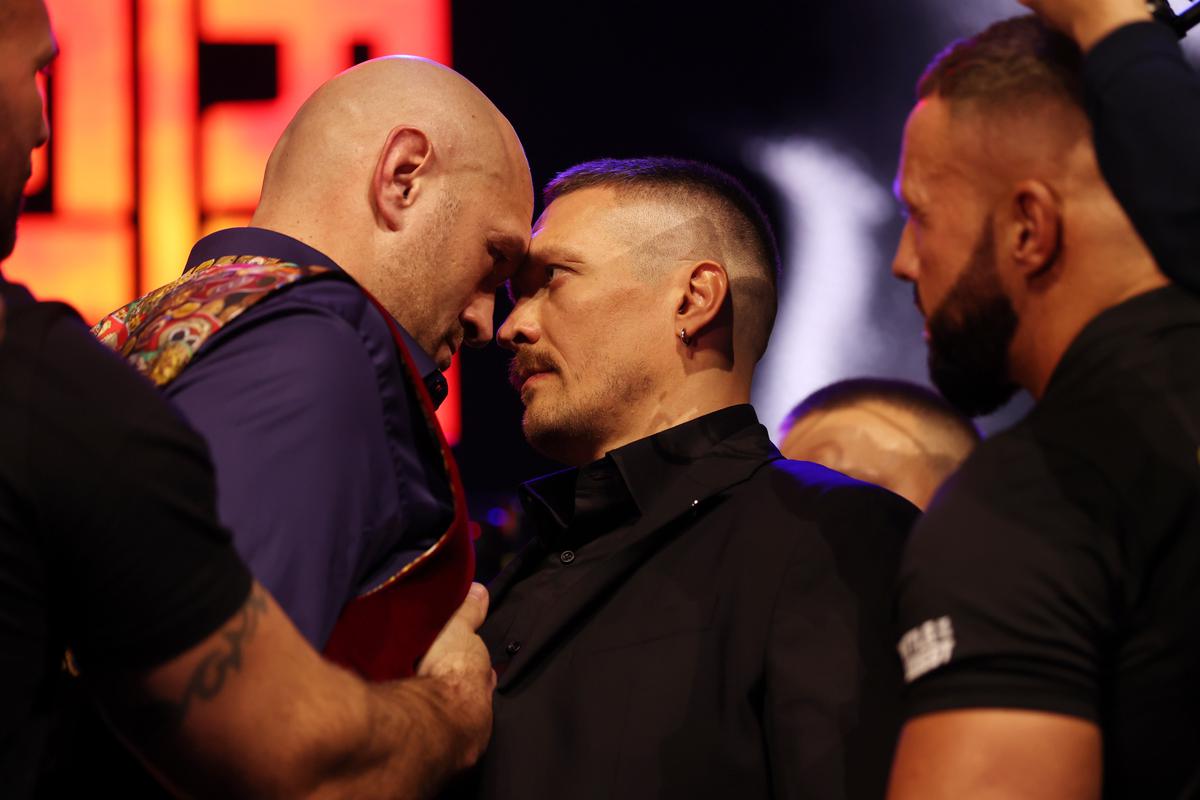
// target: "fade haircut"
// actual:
[[732, 210], [935, 413], [1011, 62]]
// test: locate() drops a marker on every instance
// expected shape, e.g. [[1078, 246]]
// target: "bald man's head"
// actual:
[[405, 174], [892, 433]]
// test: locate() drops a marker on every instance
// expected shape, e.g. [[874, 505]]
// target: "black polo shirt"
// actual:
[[109, 539], [1059, 570]]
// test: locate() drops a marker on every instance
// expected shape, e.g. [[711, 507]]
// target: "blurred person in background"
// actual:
[[892, 433]]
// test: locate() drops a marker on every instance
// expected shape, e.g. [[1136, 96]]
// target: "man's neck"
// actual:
[[1043, 340], [691, 401]]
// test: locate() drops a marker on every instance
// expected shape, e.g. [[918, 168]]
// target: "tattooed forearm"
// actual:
[[217, 666]]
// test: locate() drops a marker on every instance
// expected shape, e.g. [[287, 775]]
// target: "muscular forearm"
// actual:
[[253, 711], [406, 743]]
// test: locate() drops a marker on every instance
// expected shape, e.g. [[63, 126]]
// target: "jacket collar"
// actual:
[[676, 479]]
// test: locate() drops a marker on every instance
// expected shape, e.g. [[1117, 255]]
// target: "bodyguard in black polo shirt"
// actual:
[[696, 617], [1049, 598]]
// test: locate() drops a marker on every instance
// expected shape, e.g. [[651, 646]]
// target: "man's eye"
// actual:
[[553, 271]]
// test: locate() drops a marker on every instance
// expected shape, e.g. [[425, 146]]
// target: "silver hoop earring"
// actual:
[[683, 336]]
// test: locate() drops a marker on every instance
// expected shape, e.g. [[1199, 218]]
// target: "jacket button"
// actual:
[[566, 556], [513, 647]]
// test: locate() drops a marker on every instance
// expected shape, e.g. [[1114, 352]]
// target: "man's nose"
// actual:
[[519, 328], [477, 320], [904, 262]]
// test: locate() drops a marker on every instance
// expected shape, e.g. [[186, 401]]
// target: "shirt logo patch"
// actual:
[[926, 647]]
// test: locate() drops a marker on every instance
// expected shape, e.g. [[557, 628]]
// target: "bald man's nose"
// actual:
[[477, 319], [519, 328]]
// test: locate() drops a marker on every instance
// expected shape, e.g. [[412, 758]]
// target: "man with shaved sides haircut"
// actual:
[[684, 622], [1048, 599], [307, 349], [896, 434]]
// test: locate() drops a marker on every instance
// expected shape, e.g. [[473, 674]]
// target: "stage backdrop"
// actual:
[[164, 112]]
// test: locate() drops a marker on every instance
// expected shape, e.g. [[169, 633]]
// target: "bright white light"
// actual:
[[824, 331]]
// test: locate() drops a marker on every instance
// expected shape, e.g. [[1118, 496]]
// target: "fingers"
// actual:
[[474, 608]]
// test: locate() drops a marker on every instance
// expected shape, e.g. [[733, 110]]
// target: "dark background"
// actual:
[[588, 80]]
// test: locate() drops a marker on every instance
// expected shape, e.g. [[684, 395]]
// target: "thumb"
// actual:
[[474, 608]]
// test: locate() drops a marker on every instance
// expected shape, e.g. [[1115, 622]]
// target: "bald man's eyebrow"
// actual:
[[511, 245], [508, 251], [558, 254]]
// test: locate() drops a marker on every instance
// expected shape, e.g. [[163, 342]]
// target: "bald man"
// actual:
[[896, 434], [307, 348], [110, 551]]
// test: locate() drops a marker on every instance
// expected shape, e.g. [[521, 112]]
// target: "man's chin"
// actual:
[[556, 439], [443, 357]]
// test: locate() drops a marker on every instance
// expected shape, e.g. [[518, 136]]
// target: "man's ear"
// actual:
[[703, 296], [404, 160], [1036, 234]]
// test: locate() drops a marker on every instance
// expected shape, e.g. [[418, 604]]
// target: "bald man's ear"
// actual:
[[403, 163], [704, 294], [1036, 233]]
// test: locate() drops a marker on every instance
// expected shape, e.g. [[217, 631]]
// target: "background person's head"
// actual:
[[647, 298], [892, 433], [26, 48], [405, 174], [1013, 239]]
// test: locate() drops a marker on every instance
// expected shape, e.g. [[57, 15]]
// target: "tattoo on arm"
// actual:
[[219, 664]]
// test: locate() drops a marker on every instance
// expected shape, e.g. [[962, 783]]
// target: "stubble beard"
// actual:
[[573, 427], [410, 286], [970, 334]]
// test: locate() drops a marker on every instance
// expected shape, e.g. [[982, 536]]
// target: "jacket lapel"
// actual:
[[687, 497]]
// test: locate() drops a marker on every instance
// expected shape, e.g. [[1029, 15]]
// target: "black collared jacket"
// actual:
[[737, 642]]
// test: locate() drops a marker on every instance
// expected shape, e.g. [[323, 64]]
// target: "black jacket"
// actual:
[[738, 643]]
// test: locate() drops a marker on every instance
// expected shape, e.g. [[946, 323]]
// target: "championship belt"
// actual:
[[382, 633]]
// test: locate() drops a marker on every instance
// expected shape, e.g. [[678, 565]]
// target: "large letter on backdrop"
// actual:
[[136, 169]]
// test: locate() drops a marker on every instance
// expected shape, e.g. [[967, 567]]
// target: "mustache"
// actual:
[[526, 362]]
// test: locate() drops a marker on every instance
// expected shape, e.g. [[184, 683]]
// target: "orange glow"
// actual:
[[315, 39], [169, 217], [197, 172], [83, 253], [82, 261], [39, 159]]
